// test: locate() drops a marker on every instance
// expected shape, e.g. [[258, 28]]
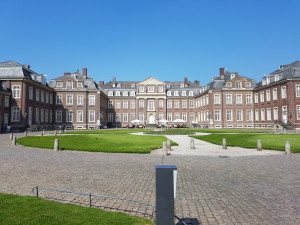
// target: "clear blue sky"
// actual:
[[135, 39]]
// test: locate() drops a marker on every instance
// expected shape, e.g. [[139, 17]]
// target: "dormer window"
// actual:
[[191, 93], [238, 84], [59, 84], [268, 80], [168, 85], [276, 78], [183, 93], [169, 93], [228, 84], [69, 85], [141, 89], [160, 88], [118, 93], [232, 76], [132, 85], [118, 85], [150, 89], [132, 93], [114, 85], [176, 93], [181, 85], [248, 84], [263, 82], [110, 93], [125, 93], [79, 85]]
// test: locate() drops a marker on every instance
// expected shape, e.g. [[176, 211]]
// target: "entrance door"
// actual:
[[284, 114], [151, 119]]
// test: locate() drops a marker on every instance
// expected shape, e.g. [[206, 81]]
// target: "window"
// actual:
[[298, 112], [69, 99], [169, 104], [248, 84], [150, 88], [69, 116], [141, 89], [239, 115], [176, 116], [248, 99], [217, 99], [58, 116], [192, 117], [169, 117], [176, 93], [58, 99], [79, 85], [168, 85], [46, 116], [69, 85], [118, 104], [256, 115], [16, 91], [110, 104], [228, 84], [92, 116], [176, 104], [30, 95], [125, 104], [6, 101], [184, 116], [268, 96], [274, 93], [238, 84], [228, 99], [283, 92], [132, 85], [118, 117], [15, 114], [132, 116], [191, 93], [269, 114], [110, 93], [37, 95], [151, 105], [262, 96], [118, 85], [217, 116], [183, 93], [79, 115], [169, 93], [50, 116], [92, 99], [132, 104], [297, 90], [42, 115], [125, 93], [276, 78], [207, 102], [141, 104], [47, 97], [79, 99], [132, 93], [161, 104], [59, 84], [181, 85], [141, 117], [228, 115], [184, 104], [262, 114], [51, 98], [118, 93], [239, 99], [275, 113], [160, 89], [125, 117], [249, 115], [110, 117], [192, 104], [256, 98]]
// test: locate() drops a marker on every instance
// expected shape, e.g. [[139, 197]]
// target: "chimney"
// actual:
[[197, 82], [66, 73], [222, 73], [186, 82], [84, 72], [101, 83]]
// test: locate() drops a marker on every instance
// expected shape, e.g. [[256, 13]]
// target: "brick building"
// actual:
[[77, 101]]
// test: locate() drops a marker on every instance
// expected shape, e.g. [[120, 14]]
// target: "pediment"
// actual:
[[151, 81]]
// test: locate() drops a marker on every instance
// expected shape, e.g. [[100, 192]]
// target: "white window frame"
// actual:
[[58, 116], [248, 98], [58, 99], [15, 114], [69, 99], [228, 98], [79, 99], [69, 116], [217, 99], [228, 115], [283, 92], [30, 94], [92, 116], [92, 99], [79, 116], [16, 91]]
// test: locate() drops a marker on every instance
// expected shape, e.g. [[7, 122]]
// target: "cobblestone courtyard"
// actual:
[[256, 189]]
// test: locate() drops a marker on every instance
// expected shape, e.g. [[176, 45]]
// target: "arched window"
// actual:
[[191, 93], [118, 93], [183, 93], [132, 93], [176, 93], [110, 93], [125, 93], [169, 93]]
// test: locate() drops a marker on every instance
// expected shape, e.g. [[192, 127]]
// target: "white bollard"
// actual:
[[165, 148], [287, 148], [56, 145], [192, 143], [55, 132], [169, 144], [224, 145], [25, 133], [11, 136], [259, 145], [60, 132], [14, 140]]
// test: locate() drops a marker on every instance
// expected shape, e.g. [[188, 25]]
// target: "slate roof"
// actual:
[[14, 70]]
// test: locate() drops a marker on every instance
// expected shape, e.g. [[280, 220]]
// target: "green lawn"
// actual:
[[119, 143], [182, 131], [108, 131], [35, 211], [269, 141]]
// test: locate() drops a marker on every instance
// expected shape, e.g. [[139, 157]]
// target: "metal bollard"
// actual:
[[165, 148], [56, 145], [259, 145], [192, 143], [169, 144], [42, 133], [224, 144], [14, 140], [287, 148]]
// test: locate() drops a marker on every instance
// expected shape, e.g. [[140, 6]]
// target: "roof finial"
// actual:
[[77, 70]]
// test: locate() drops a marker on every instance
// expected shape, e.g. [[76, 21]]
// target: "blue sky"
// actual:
[[134, 39]]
